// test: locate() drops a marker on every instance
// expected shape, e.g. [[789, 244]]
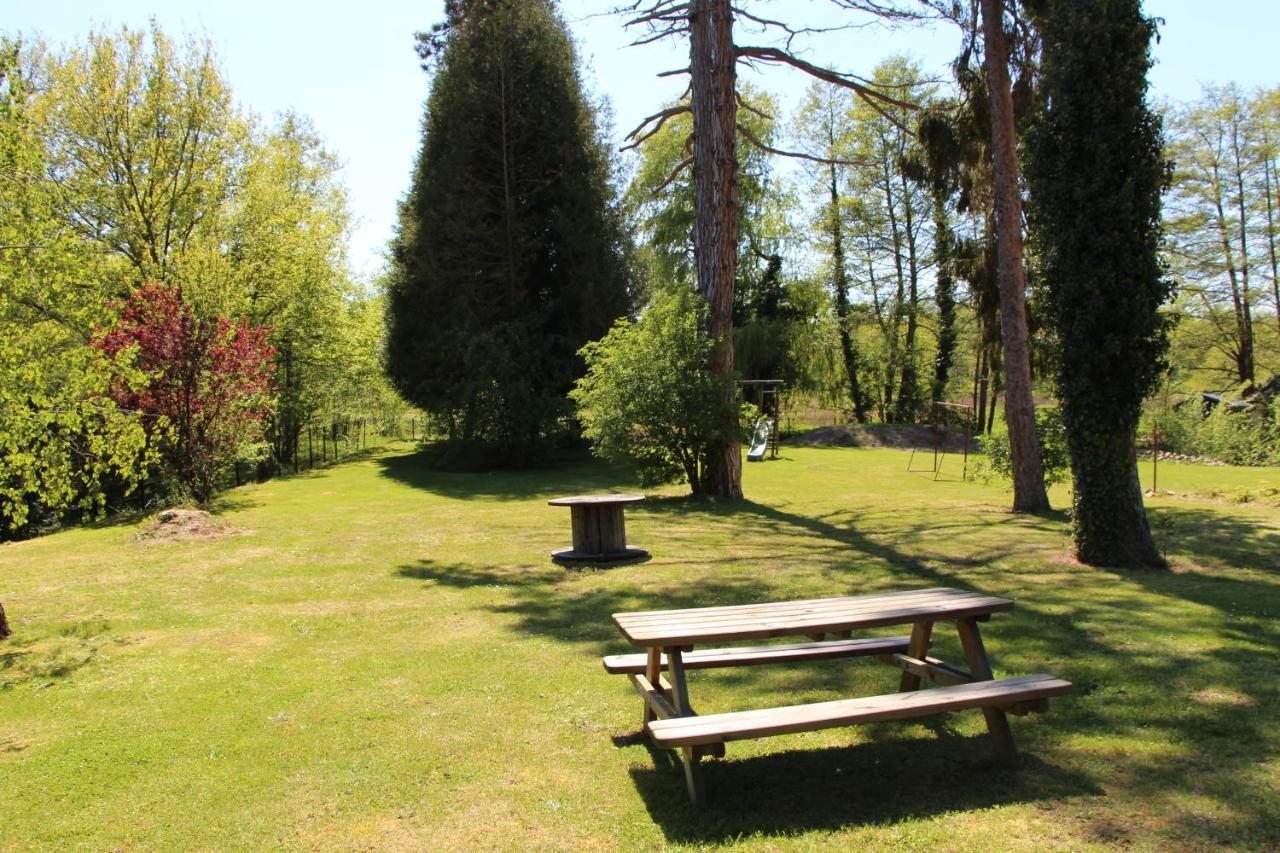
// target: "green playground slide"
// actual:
[[759, 441]]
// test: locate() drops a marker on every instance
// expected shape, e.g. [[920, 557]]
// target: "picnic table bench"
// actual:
[[669, 636]]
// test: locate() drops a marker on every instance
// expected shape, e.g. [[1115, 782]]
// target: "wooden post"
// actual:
[[975, 653], [1155, 456]]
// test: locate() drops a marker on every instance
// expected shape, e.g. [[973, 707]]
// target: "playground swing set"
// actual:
[[766, 395], [945, 414]]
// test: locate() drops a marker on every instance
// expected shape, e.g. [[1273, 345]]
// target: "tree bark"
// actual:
[[840, 276], [909, 408], [712, 66], [1029, 494], [4, 624], [1267, 175], [1237, 159]]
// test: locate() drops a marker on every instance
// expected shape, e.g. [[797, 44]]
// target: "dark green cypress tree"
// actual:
[[510, 251], [1096, 171]]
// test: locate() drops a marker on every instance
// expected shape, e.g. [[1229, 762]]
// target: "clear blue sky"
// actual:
[[351, 67]]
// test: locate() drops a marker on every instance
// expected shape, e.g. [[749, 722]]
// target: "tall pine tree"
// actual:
[[509, 253], [1095, 173]]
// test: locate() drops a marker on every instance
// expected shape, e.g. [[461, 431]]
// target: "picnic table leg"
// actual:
[[975, 653], [653, 672], [690, 756], [918, 647]]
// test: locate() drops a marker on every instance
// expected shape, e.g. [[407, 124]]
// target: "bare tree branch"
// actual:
[[658, 119], [797, 155], [675, 173], [862, 87], [742, 102]]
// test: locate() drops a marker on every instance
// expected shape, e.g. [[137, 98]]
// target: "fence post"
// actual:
[[1155, 456]]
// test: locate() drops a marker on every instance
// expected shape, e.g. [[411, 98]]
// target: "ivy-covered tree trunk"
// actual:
[[1029, 494], [945, 298], [1095, 156], [715, 228]]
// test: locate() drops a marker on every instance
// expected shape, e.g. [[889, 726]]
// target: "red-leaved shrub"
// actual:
[[208, 388]]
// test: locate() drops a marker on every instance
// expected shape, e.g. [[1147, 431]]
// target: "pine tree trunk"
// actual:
[[848, 346], [1267, 175], [1024, 446], [715, 227], [909, 408]]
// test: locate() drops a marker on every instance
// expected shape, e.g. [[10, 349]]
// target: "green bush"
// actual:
[[1053, 449], [1235, 437], [647, 399]]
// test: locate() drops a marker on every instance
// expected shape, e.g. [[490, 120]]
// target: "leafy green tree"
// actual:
[[277, 256], [647, 399], [1096, 171], [770, 310], [509, 255], [143, 139], [822, 125], [891, 228], [136, 165], [1221, 217], [64, 444]]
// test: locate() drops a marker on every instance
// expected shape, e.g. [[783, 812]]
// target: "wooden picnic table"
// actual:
[[669, 637], [599, 530]]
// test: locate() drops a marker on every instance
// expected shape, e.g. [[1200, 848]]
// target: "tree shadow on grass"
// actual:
[[577, 476], [1191, 720]]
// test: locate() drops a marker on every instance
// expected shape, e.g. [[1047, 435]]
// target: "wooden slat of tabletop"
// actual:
[[599, 500], [701, 625]]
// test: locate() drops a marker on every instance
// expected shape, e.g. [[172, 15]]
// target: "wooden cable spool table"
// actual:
[[599, 530]]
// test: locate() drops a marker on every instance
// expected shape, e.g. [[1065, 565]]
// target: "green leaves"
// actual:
[[647, 399], [1096, 169]]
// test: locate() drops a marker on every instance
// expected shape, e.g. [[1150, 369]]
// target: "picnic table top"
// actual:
[[798, 618], [595, 499]]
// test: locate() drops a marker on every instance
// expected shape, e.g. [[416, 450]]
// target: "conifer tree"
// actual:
[[509, 254]]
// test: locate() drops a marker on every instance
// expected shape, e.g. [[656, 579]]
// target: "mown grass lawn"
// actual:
[[387, 658]]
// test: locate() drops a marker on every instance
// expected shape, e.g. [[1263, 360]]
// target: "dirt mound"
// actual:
[[907, 436], [176, 525]]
